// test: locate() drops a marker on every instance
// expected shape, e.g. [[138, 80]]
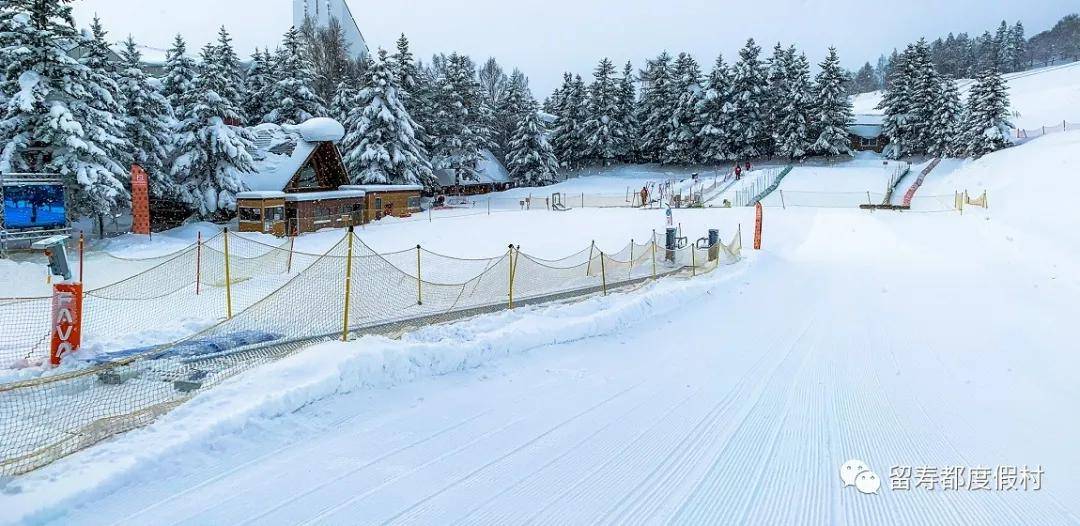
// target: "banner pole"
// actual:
[[348, 287]]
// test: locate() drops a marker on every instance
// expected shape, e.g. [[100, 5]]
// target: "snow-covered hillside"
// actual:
[[901, 339], [1039, 97]]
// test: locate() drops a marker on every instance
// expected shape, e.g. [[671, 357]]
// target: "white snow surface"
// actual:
[[1038, 97], [896, 338]]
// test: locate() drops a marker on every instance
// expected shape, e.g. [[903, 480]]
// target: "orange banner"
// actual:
[[66, 320], [140, 201]]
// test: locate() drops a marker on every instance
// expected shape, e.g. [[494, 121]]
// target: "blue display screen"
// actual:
[[34, 206]]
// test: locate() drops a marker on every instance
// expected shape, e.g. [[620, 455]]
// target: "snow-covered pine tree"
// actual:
[[987, 126], [231, 83], [404, 68], [510, 106], [211, 155], [457, 132], [832, 108], [626, 101], [149, 120], [602, 130], [1016, 48], [898, 105], [51, 121], [655, 109], [292, 100], [380, 144], [774, 97], [260, 80], [107, 101], [748, 126], [793, 135], [682, 139], [714, 114], [424, 102], [925, 87], [531, 161], [180, 71], [568, 138], [344, 100], [945, 128]]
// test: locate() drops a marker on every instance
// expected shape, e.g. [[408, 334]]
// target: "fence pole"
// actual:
[[588, 268], [693, 260], [419, 297], [198, 262], [82, 243], [228, 278], [654, 253], [348, 287], [288, 264], [630, 272], [782, 203], [510, 258], [603, 274], [582, 199], [489, 206]]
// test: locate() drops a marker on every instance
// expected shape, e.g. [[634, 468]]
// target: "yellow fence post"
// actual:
[[510, 259], [588, 268], [654, 253], [603, 274], [228, 278], [419, 292], [348, 287]]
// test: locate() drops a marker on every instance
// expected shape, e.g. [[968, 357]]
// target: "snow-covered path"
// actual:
[[852, 336]]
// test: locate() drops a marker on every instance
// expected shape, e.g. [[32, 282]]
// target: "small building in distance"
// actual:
[[297, 183], [866, 133], [492, 176]]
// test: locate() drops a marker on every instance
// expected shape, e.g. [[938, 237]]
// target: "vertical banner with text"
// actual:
[[140, 201], [66, 320]]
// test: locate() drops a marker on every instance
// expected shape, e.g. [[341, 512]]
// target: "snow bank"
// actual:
[[329, 369]]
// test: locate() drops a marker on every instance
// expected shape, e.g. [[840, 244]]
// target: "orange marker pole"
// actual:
[[757, 226]]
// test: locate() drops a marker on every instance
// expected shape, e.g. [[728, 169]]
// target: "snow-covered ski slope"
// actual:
[[1039, 97], [900, 339]]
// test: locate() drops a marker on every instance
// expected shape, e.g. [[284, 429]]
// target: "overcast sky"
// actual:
[[546, 37]]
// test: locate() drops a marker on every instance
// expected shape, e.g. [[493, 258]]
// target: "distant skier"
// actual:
[[670, 219], [747, 166], [738, 172], [644, 196]]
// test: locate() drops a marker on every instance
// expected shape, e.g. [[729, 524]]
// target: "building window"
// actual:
[[249, 214], [307, 178], [414, 202], [274, 213]]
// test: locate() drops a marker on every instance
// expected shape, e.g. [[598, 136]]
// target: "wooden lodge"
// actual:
[[866, 133], [491, 176], [300, 184]]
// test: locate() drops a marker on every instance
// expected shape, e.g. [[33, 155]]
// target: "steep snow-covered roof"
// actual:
[[489, 171], [278, 155], [319, 129]]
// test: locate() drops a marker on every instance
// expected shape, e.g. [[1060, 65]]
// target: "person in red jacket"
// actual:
[[747, 166], [738, 172]]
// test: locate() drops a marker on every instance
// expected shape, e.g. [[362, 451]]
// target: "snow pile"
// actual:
[[330, 369], [319, 129]]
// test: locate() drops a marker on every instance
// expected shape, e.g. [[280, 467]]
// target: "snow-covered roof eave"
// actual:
[[372, 188]]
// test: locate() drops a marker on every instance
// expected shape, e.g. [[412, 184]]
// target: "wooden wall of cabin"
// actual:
[[399, 204], [309, 216]]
